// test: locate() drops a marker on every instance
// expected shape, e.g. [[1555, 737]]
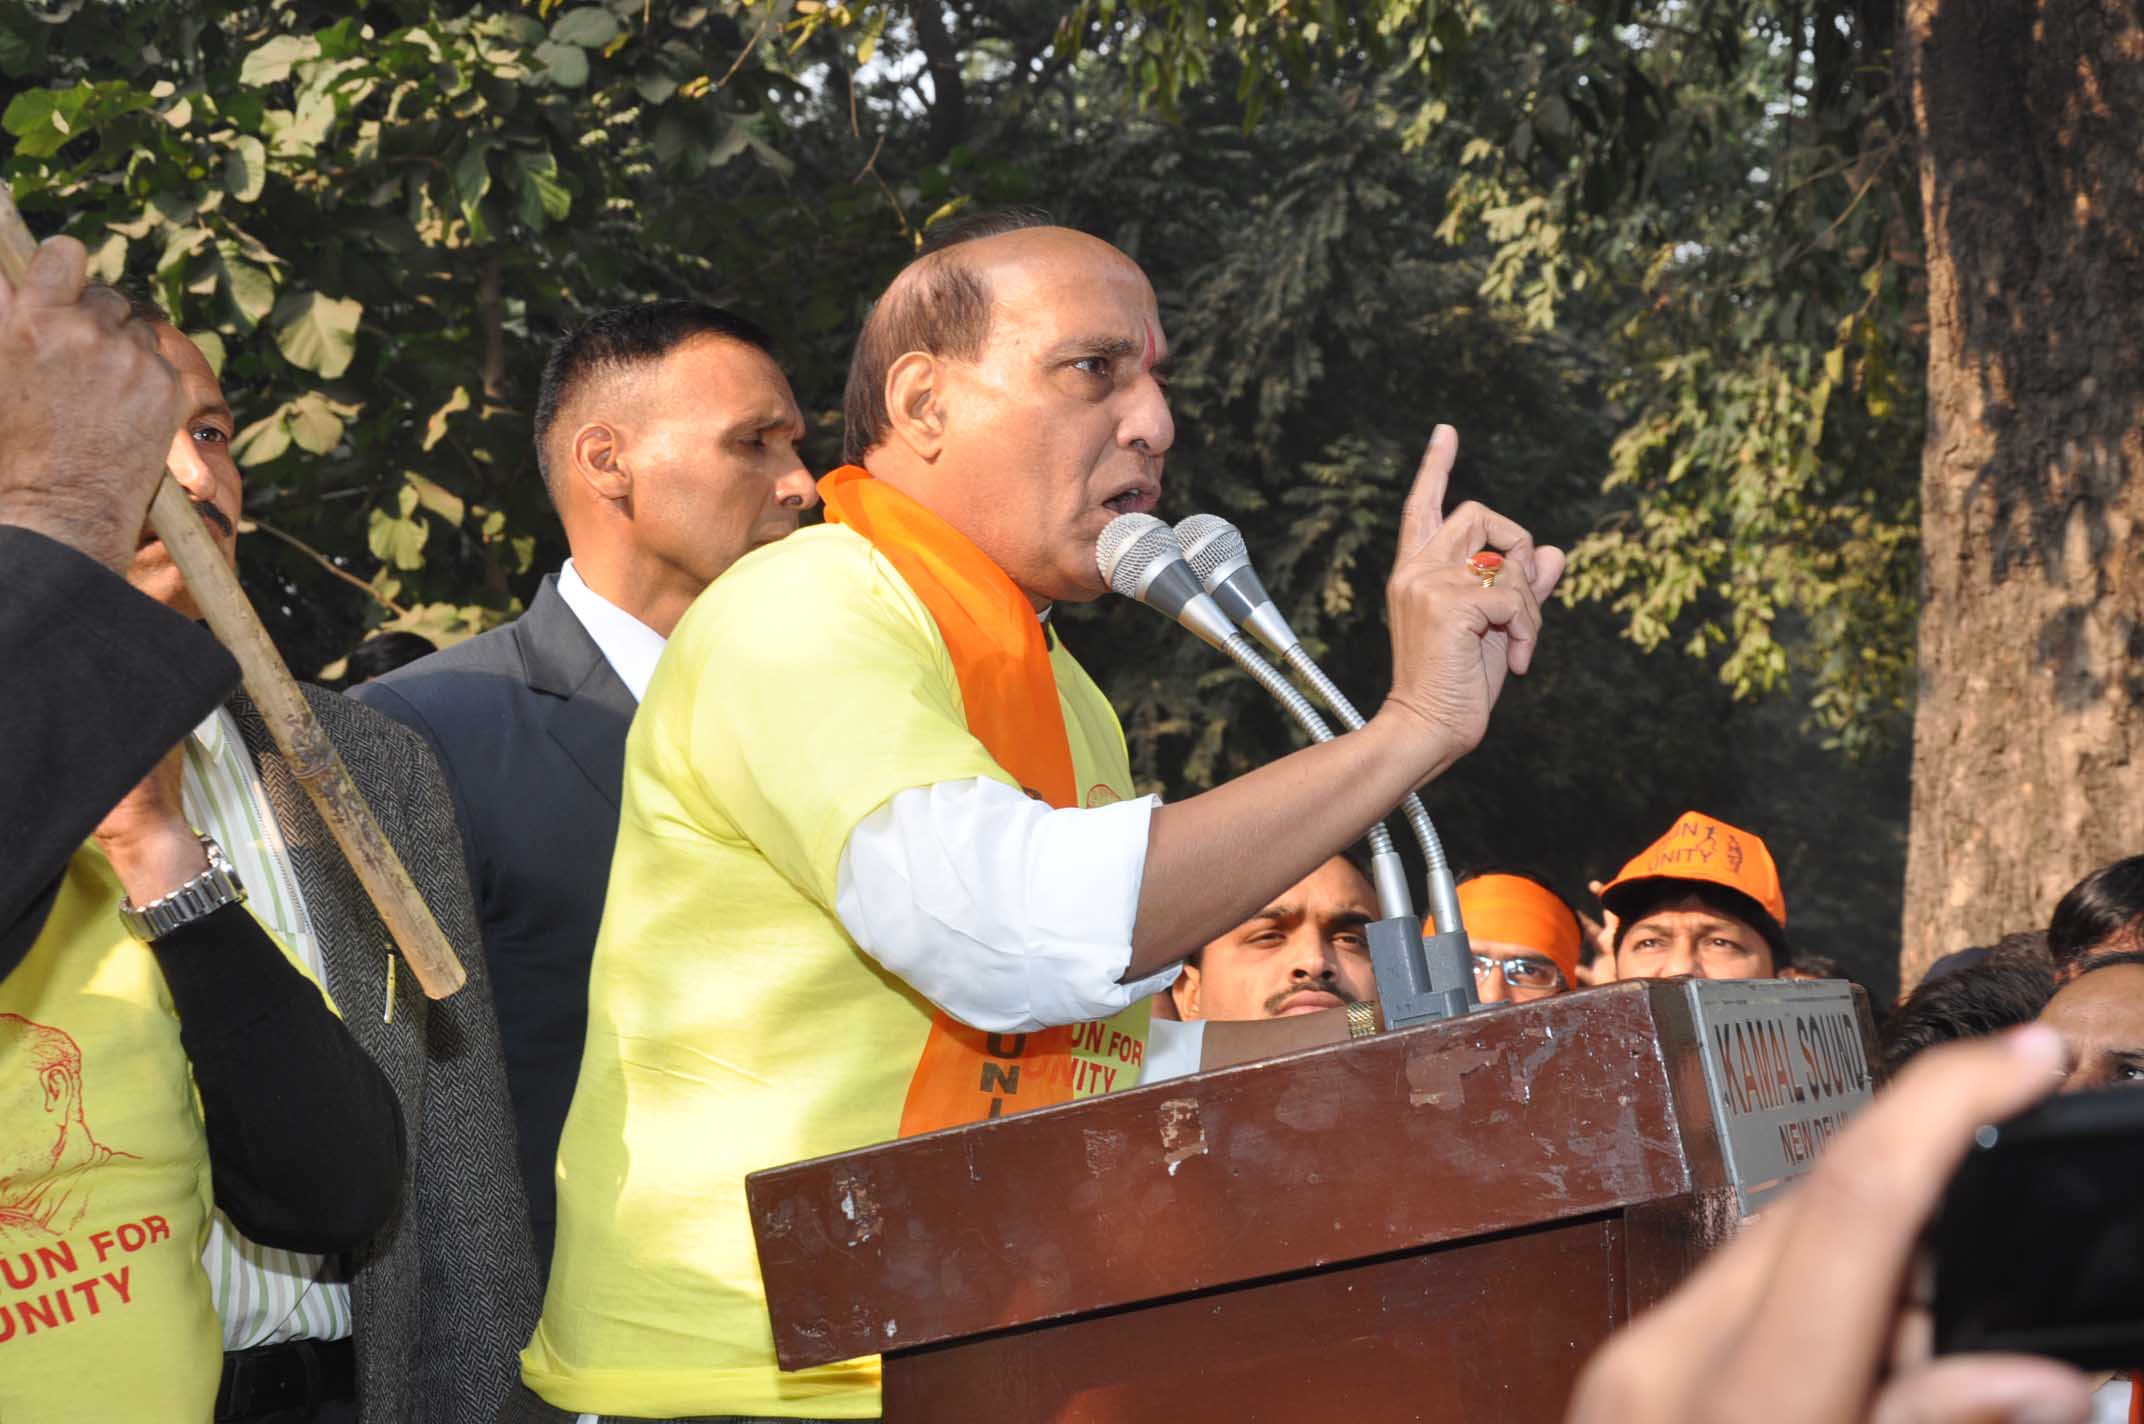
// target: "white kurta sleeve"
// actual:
[[1005, 913]]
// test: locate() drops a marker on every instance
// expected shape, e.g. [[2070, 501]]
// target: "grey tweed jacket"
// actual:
[[446, 1296]]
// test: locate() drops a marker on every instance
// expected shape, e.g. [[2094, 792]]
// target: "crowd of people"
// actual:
[[760, 843]]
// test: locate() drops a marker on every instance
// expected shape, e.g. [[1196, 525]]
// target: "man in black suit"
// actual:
[[422, 1322], [667, 439]]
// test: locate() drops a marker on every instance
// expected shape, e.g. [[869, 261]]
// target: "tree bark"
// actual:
[[2028, 740]]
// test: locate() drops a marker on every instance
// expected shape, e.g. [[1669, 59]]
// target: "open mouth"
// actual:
[[1137, 498]]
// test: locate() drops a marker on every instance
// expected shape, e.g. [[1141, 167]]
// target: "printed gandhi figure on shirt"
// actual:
[[46, 1150]]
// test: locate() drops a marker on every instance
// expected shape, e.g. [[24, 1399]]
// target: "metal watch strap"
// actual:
[[205, 894], [1361, 1019]]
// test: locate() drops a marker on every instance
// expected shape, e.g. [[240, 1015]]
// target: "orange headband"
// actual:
[[1513, 910]]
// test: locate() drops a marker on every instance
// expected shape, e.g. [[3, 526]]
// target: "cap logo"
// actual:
[[1734, 855]]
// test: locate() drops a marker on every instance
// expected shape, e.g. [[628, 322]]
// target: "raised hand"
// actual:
[[1454, 641], [87, 408]]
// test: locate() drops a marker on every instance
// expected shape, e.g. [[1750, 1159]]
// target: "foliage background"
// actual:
[[1654, 258]]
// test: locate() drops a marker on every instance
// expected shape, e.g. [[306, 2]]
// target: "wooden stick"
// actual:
[[312, 757]]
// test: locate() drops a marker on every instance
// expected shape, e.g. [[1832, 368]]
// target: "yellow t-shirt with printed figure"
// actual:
[[733, 1024]]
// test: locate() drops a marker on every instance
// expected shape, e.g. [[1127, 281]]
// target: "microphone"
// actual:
[[1221, 559], [1139, 558]]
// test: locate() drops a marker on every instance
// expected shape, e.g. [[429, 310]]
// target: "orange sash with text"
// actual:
[[1010, 695]]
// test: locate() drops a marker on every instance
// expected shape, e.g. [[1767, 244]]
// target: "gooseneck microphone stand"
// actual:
[[1140, 558], [1430, 977]]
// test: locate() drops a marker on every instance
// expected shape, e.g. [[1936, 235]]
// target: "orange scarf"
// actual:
[[1010, 695]]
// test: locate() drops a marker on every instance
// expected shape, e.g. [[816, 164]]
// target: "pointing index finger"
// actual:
[[1423, 514]]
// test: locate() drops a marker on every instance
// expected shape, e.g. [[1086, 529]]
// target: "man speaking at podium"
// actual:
[[879, 868]]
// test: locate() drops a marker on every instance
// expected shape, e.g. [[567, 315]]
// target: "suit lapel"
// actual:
[[594, 707], [354, 942]]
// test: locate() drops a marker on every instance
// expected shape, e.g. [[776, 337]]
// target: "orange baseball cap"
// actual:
[[1514, 910], [1699, 847]]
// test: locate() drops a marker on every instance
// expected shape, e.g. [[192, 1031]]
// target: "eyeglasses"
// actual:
[[1520, 971]]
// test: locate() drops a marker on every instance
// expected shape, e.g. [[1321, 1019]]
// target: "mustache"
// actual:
[[1318, 986], [216, 517]]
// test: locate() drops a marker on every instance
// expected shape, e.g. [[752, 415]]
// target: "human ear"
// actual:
[[599, 461], [1185, 991], [915, 404]]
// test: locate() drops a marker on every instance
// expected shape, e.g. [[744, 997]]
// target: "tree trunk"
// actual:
[[2028, 766]]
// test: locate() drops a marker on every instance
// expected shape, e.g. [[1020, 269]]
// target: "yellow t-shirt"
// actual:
[[104, 1179], [733, 1024]]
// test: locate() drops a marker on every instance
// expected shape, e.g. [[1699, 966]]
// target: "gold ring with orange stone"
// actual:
[[1485, 566]]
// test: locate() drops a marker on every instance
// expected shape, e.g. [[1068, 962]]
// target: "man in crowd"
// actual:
[[1306, 951], [1970, 993], [2101, 914], [85, 414], [667, 440], [878, 857], [142, 982], [1703, 900], [383, 1329], [1526, 938]]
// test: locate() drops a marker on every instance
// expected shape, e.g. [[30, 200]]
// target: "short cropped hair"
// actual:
[[2103, 910], [937, 305], [2005, 988], [1644, 897], [623, 339]]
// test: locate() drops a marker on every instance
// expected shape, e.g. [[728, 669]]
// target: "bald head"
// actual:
[[941, 304]]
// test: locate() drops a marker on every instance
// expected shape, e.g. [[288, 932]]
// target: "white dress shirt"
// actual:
[[1008, 914], [262, 1294], [630, 646]]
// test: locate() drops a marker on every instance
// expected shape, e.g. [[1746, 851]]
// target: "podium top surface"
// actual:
[[1580, 1104]]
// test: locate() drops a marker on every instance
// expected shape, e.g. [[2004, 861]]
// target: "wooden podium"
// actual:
[[1434, 1224]]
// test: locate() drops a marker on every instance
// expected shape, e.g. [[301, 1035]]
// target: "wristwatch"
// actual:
[[1361, 1019], [205, 894]]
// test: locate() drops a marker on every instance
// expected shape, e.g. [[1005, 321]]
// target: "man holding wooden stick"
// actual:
[[361, 1336], [144, 1011], [86, 409]]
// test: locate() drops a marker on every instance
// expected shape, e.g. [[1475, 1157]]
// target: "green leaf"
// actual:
[[262, 441], [270, 64], [45, 119], [249, 289], [946, 210], [435, 429], [316, 332], [435, 497], [589, 26], [472, 174], [542, 195], [180, 245], [399, 542], [108, 259], [211, 348], [566, 65], [315, 427], [245, 168], [18, 50]]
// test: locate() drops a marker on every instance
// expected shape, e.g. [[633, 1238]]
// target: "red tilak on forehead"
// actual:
[[1149, 357]]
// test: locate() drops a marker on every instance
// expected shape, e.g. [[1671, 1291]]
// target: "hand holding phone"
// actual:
[[1803, 1317], [2039, 1245]]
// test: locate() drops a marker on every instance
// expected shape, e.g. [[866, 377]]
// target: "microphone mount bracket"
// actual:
[[1420, 980]]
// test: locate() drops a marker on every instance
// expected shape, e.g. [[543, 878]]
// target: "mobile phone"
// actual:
[[2039, 1243]]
